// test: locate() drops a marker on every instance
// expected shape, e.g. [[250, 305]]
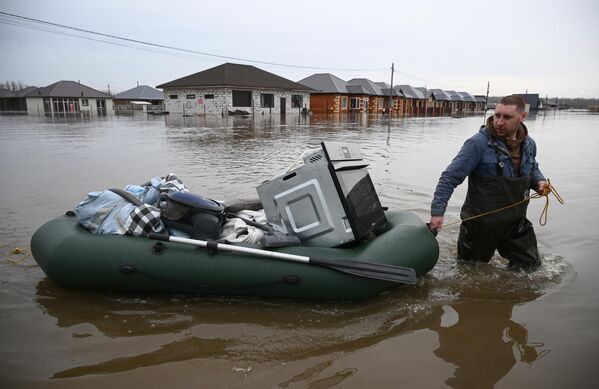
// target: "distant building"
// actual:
[[329, 93], [414, 100], [441, 103], [68, 98], [234, 89], [532, 100], [376, 99], [142, 97], [14, 101]]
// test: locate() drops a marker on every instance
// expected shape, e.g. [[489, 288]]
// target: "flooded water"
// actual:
[[462, 326]]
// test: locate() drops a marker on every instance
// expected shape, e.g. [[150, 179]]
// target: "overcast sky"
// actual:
[[548, 47]]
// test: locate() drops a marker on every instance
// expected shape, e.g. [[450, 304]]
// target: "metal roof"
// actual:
[[141, 92], [357, 89], [440, 95], [235, 75], [410, 92], [6, 93], [370, 87], [426, 93], [67, 89], [325, 83], [467, 97], [454, 95]]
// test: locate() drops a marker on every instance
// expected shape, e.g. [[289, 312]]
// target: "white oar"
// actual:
[[392, 273]]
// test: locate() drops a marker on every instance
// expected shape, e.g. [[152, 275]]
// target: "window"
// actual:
[[296, 101], [207, 97], [65, 105], [344, 102], [84, 102], [242, 98], [267, 100], [47, 105], [354, 103], [190, 97], [173, 97]]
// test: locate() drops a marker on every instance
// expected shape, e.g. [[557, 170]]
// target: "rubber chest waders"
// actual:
[[509, 231]]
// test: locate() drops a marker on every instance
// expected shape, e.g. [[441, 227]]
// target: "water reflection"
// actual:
[[476, 334]]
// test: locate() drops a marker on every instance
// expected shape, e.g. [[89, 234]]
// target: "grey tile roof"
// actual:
[[467, 97], [410, 92], [370, 87], [5, 93], [426, 93], [440, 95], [67, 89], [325, 83], [142, 92], [454, 95], [480, 99], [357, 89], [383, 85], [235, 75], [393, 92]]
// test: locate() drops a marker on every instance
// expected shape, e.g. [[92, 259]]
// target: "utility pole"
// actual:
[[425, 101], [486, 103], [391, 93]]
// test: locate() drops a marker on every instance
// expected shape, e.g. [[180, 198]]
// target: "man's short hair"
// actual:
[[516, 100]]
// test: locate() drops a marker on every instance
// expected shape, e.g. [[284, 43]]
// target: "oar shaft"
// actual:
[[245, 250]]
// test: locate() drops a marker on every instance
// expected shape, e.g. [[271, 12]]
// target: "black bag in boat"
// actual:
[[198, 216]]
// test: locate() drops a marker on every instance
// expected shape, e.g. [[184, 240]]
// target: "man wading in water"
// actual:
[[500, 164]]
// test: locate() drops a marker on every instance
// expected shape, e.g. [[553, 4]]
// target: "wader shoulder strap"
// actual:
[[500, 164]]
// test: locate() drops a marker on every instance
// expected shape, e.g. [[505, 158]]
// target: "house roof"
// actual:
[[426, 93], [370, 87], [467, 97], [440, 95], [357, 89], [67, 89], [410, 92], [383, 85], [480, 98], [141, 92], [394, 92], [454, 95], [6, 93], [235, 75], [325, 83]]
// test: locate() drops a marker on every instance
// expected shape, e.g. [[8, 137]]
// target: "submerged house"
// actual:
[[329, 93], [234, 89], [375, 99], [415, 100], [441, 102], [14, 101], [142, 97], [532, 100], [68, 98]]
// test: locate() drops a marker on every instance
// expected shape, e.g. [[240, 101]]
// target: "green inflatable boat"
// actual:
[[72, 257]]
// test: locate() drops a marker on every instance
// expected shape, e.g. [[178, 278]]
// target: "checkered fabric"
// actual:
[[172, 183], [143, 220]]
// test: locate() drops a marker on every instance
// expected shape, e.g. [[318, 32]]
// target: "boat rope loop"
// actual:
[[544, 214], [18, 251]]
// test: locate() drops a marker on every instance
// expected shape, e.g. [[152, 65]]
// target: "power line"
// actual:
[[161, 46]]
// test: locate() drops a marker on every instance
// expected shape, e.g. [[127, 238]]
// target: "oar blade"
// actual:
[[391, 273]]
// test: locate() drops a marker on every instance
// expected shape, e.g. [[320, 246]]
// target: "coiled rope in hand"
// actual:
[[544, 214]]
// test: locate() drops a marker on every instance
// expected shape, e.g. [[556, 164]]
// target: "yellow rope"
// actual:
[[544, 214], [18, 251]]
